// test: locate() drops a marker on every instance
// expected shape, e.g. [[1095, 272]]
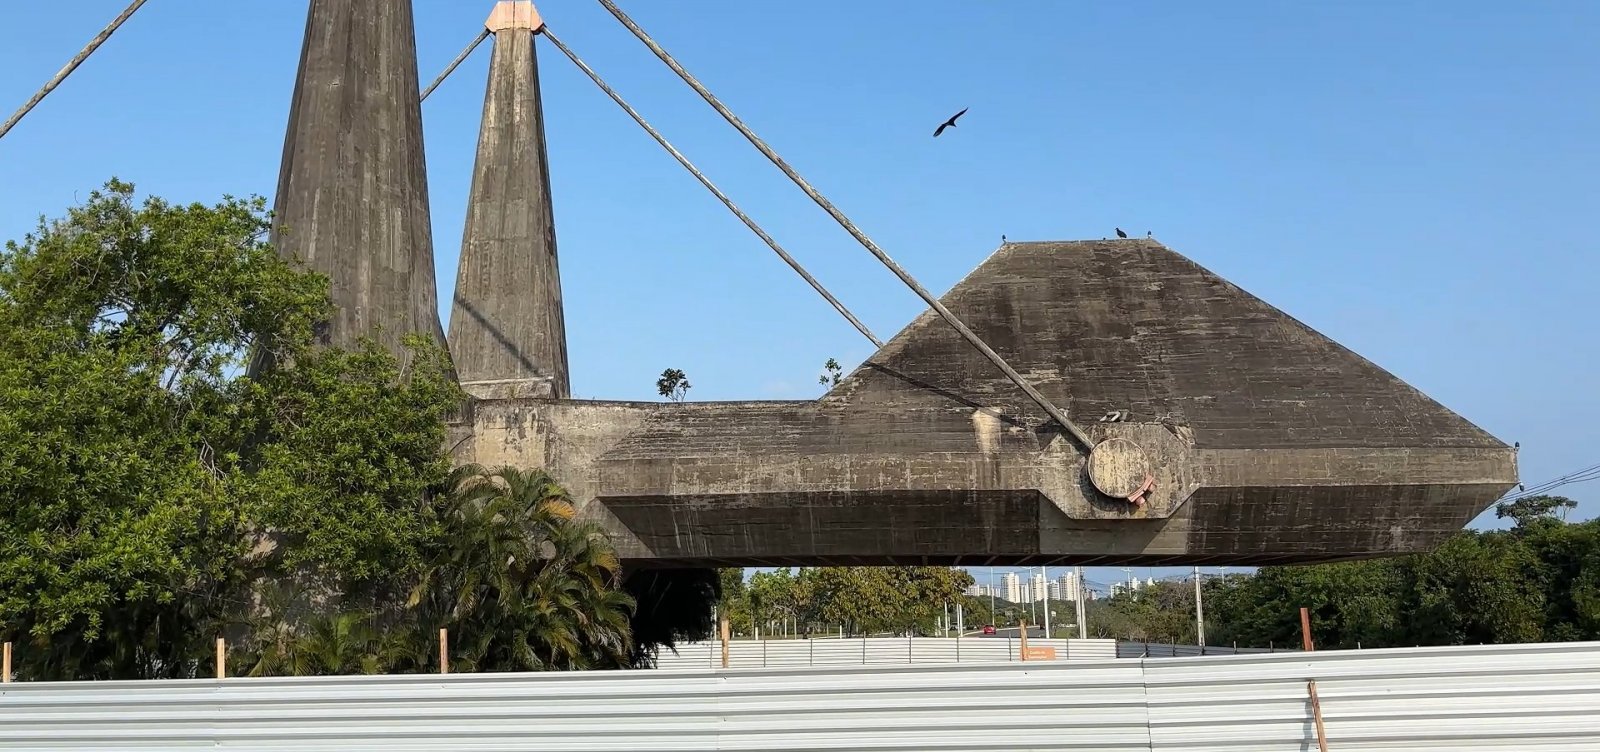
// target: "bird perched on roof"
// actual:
[[1120, 233], [951, 123], [1149, 234]]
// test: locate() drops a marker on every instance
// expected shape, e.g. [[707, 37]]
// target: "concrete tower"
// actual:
[[507, 333], [352, 197]]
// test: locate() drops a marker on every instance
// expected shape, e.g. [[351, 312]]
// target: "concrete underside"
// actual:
[[1271, 443]]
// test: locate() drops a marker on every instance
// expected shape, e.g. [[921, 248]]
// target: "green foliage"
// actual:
[[1532, 509], [673, 384], [155, 491], [523, 584], [832, 373], [1537, 582], [346, 447], [861, 600], [519, 584]]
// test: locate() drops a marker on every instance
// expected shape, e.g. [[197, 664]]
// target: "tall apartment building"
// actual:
[[1036, 587], [1012, 586], [1066, 586]]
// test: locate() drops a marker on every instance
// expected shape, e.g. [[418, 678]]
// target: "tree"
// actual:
[[832, 373], [878, 600], [1537, 582], [117, 327], [673, 384], [1525, 511], [522, 585], [779, 598], [141, 475], [733, 600], [157, 492]]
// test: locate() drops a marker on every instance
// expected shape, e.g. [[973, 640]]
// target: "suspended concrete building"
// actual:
[[1206, 426]]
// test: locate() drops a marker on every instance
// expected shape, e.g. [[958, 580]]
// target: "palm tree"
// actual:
[[520, 584]]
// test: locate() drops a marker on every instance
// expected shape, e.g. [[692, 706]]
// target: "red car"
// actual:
[[988, 629]]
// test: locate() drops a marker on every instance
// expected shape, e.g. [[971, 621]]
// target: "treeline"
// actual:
[[1536, 582], [855, 600]]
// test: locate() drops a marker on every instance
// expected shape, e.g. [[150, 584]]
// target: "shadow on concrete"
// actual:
[[499, 336]]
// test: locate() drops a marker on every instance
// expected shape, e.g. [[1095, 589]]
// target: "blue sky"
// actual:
[[1415, 179]]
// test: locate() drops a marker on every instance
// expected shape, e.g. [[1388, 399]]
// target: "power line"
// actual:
[[1577, 476], [71, 66]]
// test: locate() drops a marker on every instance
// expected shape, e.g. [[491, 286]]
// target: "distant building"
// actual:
[[1036, 588], [1065, 587], [975, 590], [1012, 586]]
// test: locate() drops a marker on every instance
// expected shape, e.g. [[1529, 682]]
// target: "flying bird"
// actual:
[[1120, 233], [951, 123]]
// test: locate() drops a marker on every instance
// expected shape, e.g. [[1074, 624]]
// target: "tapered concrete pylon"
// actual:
[[352, 197], [507, 331]]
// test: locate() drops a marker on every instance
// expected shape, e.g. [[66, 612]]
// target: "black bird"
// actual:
[[1120, 233], [1149, 234], [1002, 239], [951, 123], [1520, 488], [1516, 445]]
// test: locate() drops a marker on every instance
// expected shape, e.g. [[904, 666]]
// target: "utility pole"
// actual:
[[992, 618], [1083, 620], [1199, 613], [1044, 572]]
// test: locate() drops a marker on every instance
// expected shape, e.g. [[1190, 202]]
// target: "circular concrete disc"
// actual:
[[1118, 467]]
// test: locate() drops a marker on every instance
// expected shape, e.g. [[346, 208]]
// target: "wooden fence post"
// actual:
[[1311, 684], [222, 658], [5, 665], [444, 650], [1022, 635], [726, 628]]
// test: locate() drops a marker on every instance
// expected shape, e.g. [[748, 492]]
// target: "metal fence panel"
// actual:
[[1507, 698], [908, 708], [1138, 649], [1542, 697], [949, 708], [873, 651]]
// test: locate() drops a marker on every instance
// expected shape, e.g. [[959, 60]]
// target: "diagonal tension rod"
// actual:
[[451, 68], [971, 337], [72, 65], [687, 165]]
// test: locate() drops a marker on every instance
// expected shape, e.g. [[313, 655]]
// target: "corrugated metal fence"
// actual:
[[1137, 649], [874, 651], [1513, 698]]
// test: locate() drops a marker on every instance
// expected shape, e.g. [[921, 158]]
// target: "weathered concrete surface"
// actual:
[[507, 333], [352, 198], [1267, 441]]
